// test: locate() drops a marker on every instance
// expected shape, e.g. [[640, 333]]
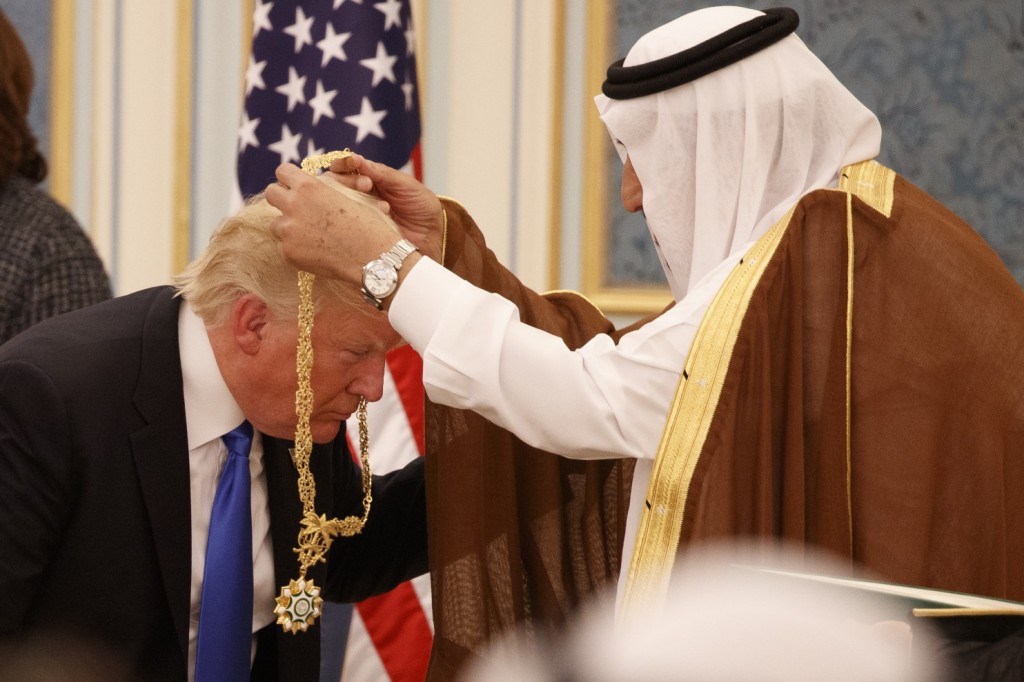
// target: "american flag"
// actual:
[[327, 75]]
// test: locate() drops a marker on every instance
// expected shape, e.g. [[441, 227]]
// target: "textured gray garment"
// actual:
[[48, 265]]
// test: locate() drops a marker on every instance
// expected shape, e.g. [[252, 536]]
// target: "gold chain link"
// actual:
[[318, 531]]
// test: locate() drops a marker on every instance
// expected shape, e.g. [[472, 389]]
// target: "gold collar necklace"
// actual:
[[298, 605]]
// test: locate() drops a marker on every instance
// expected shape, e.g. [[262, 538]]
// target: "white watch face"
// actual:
[[379, 278]]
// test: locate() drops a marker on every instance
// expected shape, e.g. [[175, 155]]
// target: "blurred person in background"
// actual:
[[48, 266]]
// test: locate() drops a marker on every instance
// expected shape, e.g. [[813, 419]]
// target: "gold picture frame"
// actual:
[[639, 298]]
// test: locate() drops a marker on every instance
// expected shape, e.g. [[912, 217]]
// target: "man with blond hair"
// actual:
[[111, 453]]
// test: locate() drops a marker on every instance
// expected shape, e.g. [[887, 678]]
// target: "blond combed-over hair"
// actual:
[[243, 257]]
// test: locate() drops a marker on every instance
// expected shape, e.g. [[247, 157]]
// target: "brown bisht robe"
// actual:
[[516, 536], [897, 445], [882, 421]]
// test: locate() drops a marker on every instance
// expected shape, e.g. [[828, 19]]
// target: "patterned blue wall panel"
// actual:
[[946, 79]]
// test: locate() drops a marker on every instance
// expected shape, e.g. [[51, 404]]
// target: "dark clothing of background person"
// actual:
[[48, 266]]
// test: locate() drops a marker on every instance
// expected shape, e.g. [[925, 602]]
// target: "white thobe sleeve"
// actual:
[[600, 401]]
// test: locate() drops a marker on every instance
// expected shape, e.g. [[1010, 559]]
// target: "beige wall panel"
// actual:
[[146, 159], [101, 144], [480, 113], [223, 32], [535, 140]]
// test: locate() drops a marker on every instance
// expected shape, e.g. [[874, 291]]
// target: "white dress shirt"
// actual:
[[211, 412]]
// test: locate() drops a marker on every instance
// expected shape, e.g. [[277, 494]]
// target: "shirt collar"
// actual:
[[210, 409]]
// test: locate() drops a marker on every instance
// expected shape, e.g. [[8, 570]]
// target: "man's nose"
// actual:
[[369, 380], [631, 192]]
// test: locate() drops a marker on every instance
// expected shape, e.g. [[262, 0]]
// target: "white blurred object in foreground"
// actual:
[[722, 620]]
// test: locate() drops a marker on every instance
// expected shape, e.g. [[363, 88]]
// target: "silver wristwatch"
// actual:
[[380, 276]]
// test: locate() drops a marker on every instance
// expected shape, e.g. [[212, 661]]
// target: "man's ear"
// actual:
[[250, 316]]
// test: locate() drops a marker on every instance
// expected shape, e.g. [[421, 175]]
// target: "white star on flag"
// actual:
[[367, 121], [301, 30], [332, 46], [321, 102], [382, 65], [254, 75], [293, 89], [261, 17], [407, 89], [247, 133], [391, 10], [287, 146], [410, 41]]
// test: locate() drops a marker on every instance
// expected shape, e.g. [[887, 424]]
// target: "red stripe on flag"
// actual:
[[407, 372], [417, 162], [399, 631]]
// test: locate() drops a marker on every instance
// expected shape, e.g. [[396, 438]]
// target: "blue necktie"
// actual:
[[224, 644]]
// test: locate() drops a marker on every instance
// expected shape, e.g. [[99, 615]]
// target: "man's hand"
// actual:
[[415, 209], [324, 230]]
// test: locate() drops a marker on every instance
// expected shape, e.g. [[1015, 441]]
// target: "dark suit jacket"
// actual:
[[94, 496]]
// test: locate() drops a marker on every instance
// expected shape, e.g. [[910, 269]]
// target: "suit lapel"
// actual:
[[285, 507], [160, 448]]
